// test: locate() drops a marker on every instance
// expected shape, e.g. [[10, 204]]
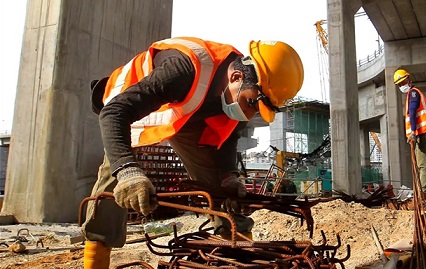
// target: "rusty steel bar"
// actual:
[[208, 212], [189, 193], [211, 257], [306, 250], [302, 213], [419, 217], [285, 205], [300, 252], [273, 264], [202, 249], [103, 195], [143, 264]]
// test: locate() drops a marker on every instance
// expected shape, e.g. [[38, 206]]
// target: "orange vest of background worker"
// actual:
[[420, 114], [165, 122]]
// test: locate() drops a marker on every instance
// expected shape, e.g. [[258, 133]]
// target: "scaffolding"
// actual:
[[306, 125], [306, 132]]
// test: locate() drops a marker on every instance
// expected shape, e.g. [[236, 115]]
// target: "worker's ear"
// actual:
[[97, 88], [236, 75]]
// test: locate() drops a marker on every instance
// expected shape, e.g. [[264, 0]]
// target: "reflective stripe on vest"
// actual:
[[119, 82], [420, 115], [172, 113]]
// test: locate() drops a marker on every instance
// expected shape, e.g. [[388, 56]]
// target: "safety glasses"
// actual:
[[265, 100]]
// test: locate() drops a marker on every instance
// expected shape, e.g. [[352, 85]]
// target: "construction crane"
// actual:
[[377, 141], [322, 34], [322, 46]]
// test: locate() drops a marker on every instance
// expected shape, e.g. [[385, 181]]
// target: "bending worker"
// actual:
[[415, 120], [195, 94]]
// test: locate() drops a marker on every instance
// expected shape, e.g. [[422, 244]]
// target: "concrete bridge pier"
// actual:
[[56, 145], [344, 115]]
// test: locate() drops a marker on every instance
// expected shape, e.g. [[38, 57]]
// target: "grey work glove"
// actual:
[[233, 184], [412, 138], [134, 190]]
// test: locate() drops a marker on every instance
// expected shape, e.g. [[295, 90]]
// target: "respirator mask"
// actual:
[[404, 88], [233, 110]]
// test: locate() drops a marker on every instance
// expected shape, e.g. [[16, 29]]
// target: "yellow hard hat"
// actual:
[[280, 74], [400, 75]]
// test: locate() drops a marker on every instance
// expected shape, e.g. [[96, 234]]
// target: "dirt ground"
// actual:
[[352, 221]]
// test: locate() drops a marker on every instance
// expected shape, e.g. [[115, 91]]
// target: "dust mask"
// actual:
[[404, 88], [233, 110]]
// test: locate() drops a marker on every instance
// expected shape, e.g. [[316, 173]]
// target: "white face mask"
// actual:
[[404, 88], [233, 110]]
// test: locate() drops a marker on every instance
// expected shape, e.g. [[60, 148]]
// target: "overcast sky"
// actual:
[[12, 18], [235, 22]]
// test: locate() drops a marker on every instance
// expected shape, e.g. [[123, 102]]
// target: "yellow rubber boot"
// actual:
[[96, 255]]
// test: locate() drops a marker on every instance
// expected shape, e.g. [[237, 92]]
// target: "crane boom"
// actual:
[[376, 140], [322, 34]]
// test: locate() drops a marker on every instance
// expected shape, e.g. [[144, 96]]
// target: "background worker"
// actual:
[[195, 94], [415, 120]]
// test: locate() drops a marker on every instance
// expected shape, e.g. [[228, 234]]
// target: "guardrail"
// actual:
[[371, 57]]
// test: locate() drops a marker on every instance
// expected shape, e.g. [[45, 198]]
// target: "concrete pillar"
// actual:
[[278, 129], [407, 54], [56, 146], [364, 147], [385, 150], [344, 116]]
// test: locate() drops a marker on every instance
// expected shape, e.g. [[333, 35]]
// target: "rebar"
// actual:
[[418, 258], [202, 249]]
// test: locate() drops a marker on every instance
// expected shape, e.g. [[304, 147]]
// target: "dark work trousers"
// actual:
[[420, 152]]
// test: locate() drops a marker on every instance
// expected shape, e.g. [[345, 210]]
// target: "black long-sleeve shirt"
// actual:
[[169, 82]]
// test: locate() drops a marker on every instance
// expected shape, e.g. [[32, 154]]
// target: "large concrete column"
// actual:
[[56, 146], [345, 141], [278, 129], [385, 150], [364, 135], [410, 55]]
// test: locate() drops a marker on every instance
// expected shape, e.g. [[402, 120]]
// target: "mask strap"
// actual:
[[239, 90]]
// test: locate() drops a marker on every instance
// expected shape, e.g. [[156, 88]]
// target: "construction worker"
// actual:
[[195, 94], [415, 120]]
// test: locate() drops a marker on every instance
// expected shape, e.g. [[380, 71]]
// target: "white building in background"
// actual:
[[258, 160]]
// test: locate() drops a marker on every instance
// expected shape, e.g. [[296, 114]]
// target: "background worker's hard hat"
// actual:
[[400, 75], [280, 73]]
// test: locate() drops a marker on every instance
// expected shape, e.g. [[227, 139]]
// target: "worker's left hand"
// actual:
[[232, 182], [412, 138], [134, 190]]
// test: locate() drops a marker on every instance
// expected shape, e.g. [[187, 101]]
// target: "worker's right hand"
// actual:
[[231, 206], [135, 191], [412, 138]]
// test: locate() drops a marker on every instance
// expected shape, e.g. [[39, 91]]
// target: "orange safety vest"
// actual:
[[420, 115], [206, 56]]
